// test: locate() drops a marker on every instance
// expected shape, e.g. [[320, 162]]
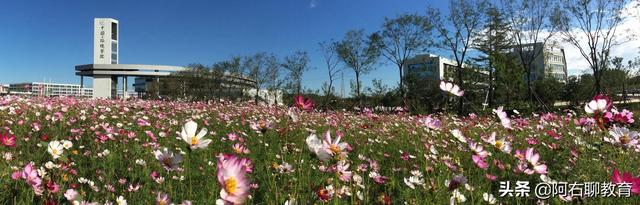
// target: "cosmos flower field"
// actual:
[[85, 151]]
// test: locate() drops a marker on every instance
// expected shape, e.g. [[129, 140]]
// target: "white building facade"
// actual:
[[41, 89]]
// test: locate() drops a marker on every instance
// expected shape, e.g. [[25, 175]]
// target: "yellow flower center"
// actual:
[[194, 140], [55, 152], [625, 139], [231, 185], [499, 144], [334, 148]]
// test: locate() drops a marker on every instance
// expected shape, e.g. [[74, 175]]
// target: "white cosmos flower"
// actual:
[[457, 197], [622, 136], [413, 180], [501, 144], [317, 147], [598, 105], [451, 88], [67, 144], [168, 159], [489, 198], [55, 149], [458, 135], [188, 134], [121, 200]]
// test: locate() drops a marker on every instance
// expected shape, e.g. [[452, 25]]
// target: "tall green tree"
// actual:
[[296, 65], [491, 41], [359, 53], [531, 27], [456, 31], [256, 66], [592, 27], [330, 57], [401, 38]]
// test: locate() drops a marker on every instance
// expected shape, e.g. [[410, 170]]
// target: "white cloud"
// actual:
[[313, 4], [630, 26]]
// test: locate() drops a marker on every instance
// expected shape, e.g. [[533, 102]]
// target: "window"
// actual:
[[114, 31], [114, 47]]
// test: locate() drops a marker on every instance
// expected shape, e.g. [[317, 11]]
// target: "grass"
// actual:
[[397, 143]]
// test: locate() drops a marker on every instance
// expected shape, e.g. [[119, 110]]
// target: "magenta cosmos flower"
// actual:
[[303, 103], [627, 178], [8, 140], [232, 177]]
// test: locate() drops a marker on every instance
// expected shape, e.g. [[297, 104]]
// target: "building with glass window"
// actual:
[[550, 61], [41, 89], [430, 67]]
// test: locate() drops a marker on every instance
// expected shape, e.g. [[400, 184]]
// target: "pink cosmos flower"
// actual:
[[504, 119], [30, 175], [480, 162], [302, 103], [533, 159], [240, 149], [232, 136], [431, 123], [232, 177], [622, 136], [261, 126], [8, 140], [71, 194], [162, 199], [624, 117], [334, 147], [477, 149], [343, 171], [627, 178], [500, 144]]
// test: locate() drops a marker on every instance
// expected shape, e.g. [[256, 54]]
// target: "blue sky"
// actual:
[[43, 39]]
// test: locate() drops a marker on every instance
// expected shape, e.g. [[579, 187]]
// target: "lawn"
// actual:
[[67, 150]]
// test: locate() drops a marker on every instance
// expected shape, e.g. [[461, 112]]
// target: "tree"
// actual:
[[358, 53], [491, 42], [328, 50], [256, 66], [456, 31], [296, 64], [274, 81], [595, 21], [401, 38], [218, 71], [531, 28]]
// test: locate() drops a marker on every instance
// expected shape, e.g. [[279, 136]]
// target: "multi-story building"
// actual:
[[431, 67], [4, 89], [49, 89], [548, 62]]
